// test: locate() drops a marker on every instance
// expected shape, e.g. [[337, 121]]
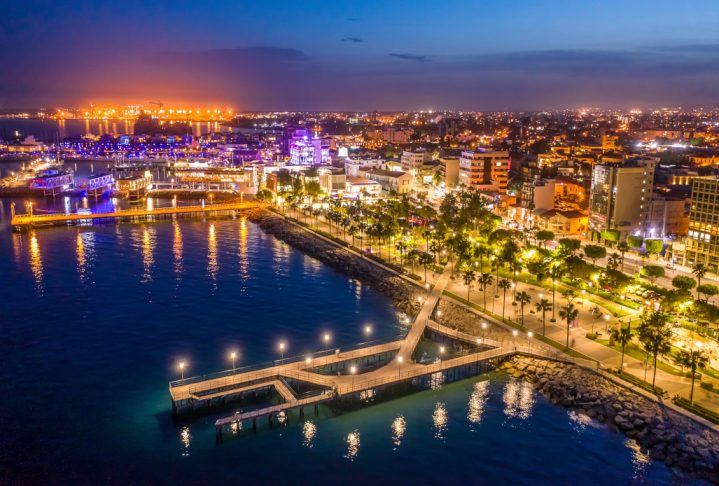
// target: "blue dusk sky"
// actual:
[[343, 55]]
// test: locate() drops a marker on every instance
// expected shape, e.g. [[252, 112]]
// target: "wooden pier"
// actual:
[[24, 220]]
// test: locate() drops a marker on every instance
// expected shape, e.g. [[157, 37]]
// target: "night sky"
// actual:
[[342, 55]]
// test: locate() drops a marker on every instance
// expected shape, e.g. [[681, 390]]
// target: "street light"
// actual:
[[368, 330], [514, 335], [326, 339], [181, 365], [282, 349], [530, 335], [441, 354], [484, 330], [353, 370], [233, 357], [399, 366]]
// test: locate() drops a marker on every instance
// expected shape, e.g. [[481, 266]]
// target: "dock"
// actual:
[[25, 220]]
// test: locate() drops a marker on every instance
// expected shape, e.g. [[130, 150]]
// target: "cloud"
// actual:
[[355, 40], [411, 57]]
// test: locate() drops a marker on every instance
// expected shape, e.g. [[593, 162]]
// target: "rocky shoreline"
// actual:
[[402, 293], [660, 432]]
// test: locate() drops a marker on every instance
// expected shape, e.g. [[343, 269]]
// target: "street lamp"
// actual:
[[353, 370], [282, 349], [233, 357], [530, 335], [368, 330], [326, 339], [514, 336], [441, 354], [181, 365], [484, 330], [399, 366]]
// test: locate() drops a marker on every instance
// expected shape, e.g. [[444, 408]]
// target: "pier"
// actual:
[[31, 219], [361, 373]]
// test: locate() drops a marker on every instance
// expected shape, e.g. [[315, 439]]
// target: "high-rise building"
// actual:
[[412, 162], [484, 170], [620, 196], [702, 243], [450, 170]]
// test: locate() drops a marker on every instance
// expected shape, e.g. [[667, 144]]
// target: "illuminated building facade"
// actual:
[[484, 170], [702, 242]]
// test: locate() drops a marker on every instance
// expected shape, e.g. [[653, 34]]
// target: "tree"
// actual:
[[468, 277], [504, 284], [523, 298], [622, 335], [485, 280], [595, 252], [544, 236], [709, 290], [653, 246], [699, 270], [635, 241], [556, 271], [683, 283], [693, 359], [655, 336], [614, 261], [567, 246], [610, 236], [543, 306], [652, 272], [568, 313], [596, 314], [425, 259], [623, 247]]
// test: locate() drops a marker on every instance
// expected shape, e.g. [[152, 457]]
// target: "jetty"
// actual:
[[44, 219]]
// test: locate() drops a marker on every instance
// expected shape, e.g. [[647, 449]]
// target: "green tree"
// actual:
[[544, 236], [708, 290], [610, 236], [425, 259], [504, 284], [622, 335], [699, 270], [653, 246], [655, 336], [568, 313], [543, 306], [468, 277], [693, 359], [652, 272], [635, 241], [568, 246], [683, 283], [523, 298], [595, 252], [556, 272], [614, 261], [623, 247], [485, 280]]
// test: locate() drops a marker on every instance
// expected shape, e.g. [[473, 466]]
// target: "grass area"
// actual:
[[641, 383], [539, 337], [637, 353], [697, 409]]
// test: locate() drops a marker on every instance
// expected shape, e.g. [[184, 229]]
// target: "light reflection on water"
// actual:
[[518, 399], [36, 262], [244, 263], [85, 249], [148, 248], [177, 249], [309, 431], [353, 445], [477, 402], [399, 426], [185, 438], [640, 460], [439, 418], [212, 264]]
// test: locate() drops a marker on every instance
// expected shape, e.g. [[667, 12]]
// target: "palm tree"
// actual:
[[556, 271], [481, 251], [468, 277], [655, 336], [614, 261], [623, 247], [623, 336], [485, 280], [568, 313], [693, 359], [699, 270], [504, 284], [543, 306], [424, 260], [523, 298]]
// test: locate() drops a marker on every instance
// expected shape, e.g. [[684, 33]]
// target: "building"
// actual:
[[362, 186], [306, 149], [702, 242], [332, 181], [399, 182], [620, 196], [538, 194], [667, 216], [570, 222], [484, 170], [393, 135], [449, 167], [412, 162]]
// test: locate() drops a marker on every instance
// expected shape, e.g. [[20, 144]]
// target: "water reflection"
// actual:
[[477, 401], [353, 445], [212, 265], [579, 421], [399, 426], [177, 248], [640, 459], [17, 247], [439, 418], [518, 399], [81, 261], [148, 247], [436, 380], [309, 431], [185, 438], [244, 257], [36, 262]]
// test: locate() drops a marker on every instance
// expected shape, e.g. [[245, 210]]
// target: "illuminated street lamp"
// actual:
[[530, 335], [368, 330], [484, 330], [353, 370], [326, 338], [282, 347], [441, 355], [399, 366], [514, 336], [181, 365], [233, 357]]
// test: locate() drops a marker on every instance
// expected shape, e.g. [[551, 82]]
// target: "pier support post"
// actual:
[[302, 412], [239, 426], [254, 425], [218, 435], [317, 410], [269, 420]]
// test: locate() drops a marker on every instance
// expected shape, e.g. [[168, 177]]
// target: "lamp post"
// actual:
[[399, 366], [353, 370], [326, 338], [530, 335], [368, 330], [233, 357], [514, 338], [441, 355], [181, 365], [282, 349], [484, 329]]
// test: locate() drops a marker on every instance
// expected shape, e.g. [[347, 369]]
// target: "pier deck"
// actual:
[[20, 220]]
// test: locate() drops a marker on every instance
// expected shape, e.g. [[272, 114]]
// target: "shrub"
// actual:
[[635, 241], [654, 246]]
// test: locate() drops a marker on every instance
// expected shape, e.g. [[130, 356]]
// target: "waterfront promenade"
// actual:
[[24, 220]]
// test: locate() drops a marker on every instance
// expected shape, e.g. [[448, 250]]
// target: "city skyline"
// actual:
[[348, 57]]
